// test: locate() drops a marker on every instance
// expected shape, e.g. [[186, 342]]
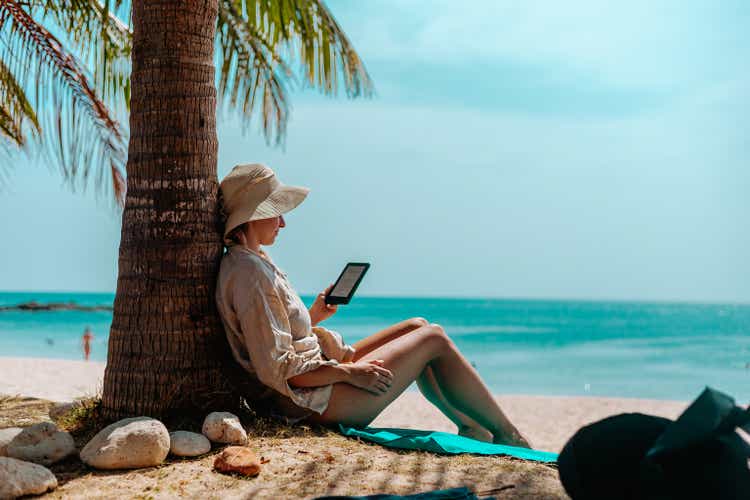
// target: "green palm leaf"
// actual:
[[250, 67], [16, 112], [257, 37], [74, 117], [101, 41]]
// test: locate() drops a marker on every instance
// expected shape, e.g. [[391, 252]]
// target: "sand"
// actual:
[[298, 463], [307, 462], [546, 420], [53, 379]]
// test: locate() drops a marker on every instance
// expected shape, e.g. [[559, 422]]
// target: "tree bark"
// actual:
[[167, 346]]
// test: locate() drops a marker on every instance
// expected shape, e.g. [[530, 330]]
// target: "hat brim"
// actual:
[[282, 200]]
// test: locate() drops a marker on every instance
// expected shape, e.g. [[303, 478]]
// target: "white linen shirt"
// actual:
[[269, 327]]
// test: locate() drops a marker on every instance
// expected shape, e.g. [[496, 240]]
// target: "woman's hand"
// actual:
[[319, 310], [370, 376]]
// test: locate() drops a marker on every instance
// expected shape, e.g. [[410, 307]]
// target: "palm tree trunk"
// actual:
[[166, 344]]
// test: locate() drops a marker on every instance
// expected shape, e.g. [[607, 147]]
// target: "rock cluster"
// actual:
[[145, 442], [127, 444]]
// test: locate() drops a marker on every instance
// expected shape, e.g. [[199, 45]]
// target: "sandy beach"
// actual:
[[546, 420], [54, 379]]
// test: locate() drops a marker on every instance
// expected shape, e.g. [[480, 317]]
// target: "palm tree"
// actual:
[[167, 351]]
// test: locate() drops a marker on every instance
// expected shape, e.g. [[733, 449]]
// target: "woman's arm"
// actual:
[[368, 375], [319, 310], [322, 375]]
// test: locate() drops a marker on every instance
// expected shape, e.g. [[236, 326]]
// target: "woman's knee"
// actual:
[[418, 322], [435, 335]]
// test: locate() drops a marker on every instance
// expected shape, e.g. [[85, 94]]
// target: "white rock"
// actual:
[[224, 427], [18, 478], [128, 444], [188, 444], [41, 443], [6, 436]]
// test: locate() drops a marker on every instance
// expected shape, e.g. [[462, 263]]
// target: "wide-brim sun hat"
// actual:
[[253, 192]]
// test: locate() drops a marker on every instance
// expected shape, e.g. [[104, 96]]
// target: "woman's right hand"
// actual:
[[370, 376]]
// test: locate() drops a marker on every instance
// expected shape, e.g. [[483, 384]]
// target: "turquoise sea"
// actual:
[[619, 349]]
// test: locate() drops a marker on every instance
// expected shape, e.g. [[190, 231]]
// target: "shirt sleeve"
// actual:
[[264, 322]]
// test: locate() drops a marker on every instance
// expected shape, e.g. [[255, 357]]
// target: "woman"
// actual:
[[311, 374]]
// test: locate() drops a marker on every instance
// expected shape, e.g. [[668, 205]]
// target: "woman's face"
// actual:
[[265, 230]]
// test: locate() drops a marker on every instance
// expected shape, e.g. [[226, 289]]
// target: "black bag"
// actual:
[[636, 456]]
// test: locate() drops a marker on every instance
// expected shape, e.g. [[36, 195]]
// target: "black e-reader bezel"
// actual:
[[334, 299]]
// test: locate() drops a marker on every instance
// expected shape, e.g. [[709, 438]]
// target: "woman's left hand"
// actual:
[[319, 310]]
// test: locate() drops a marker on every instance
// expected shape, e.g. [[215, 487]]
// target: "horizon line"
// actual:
[[470, 297]]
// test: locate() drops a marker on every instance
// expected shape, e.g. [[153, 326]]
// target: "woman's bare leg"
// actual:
[[407, 357], [426, 381], [372, 342], [466, 425]]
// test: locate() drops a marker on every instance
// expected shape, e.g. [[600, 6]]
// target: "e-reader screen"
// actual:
[[347, 283]]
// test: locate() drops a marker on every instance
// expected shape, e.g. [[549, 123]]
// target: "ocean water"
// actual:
[[618, 349]]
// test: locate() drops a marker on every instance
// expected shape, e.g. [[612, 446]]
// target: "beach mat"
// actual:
[[462, 493], [442, 442]]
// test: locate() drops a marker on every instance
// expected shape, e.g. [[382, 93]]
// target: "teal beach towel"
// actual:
[[442, 442]]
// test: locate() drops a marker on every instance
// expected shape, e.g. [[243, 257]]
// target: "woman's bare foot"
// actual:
[[478, 433], [513, 438]]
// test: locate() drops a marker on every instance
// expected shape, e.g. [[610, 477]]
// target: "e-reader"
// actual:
[[347, 284]]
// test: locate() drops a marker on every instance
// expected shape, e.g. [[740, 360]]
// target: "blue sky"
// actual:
[[514, 149]]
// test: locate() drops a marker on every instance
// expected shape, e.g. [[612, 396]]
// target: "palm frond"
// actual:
[[249, 68], [257, 37], [101, 41], [16, 112], [73, 116], [324, 49]]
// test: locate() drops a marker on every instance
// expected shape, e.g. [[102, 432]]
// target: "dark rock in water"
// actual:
[[34, 306]]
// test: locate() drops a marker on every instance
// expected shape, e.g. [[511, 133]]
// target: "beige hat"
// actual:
[[252, 192]]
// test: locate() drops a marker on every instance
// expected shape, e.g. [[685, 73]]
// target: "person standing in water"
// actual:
[[86, 339]]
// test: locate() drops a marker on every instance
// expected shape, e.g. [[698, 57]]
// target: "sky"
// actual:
[[538, 149]]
